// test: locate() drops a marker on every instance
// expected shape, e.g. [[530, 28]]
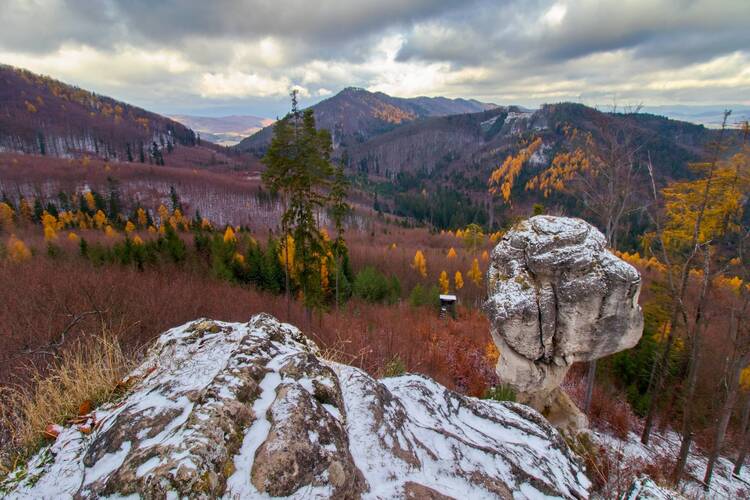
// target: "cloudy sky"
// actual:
[[232, 56]]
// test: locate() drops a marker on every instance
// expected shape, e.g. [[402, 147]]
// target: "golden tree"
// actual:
[[452, 253], [419, 263], [458, 279], [229, 236], [100, 219], [444, 282], [90, 201], [17, 249], [287, 257], [504, 177], [141, 217], [474, 273], [6, 217]]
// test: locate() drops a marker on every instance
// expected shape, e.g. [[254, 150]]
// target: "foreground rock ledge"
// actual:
[[557, 296], [250, 410]]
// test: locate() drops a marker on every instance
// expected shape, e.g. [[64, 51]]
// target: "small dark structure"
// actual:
[[448, 305]]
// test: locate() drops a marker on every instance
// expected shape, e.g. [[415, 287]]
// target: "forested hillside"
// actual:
[[44, 116]]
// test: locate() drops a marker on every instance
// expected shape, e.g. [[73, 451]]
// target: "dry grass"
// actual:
[[88, 373]]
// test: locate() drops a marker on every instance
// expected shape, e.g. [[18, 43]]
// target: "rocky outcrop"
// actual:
[[558, 296], [251, 410]]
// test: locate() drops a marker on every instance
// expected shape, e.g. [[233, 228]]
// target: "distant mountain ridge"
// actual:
[[224, 130], [474, 143], [45, 116], [355, 115]]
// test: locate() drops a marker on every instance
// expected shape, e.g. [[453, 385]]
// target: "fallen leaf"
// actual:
[[85, 407], [51, 431]]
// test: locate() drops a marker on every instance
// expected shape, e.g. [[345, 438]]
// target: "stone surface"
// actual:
[[557, 296], [250, 410]]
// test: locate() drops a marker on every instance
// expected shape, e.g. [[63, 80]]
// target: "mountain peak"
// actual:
[[355, 115]]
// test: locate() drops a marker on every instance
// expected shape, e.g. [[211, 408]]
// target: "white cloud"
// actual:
[[238, 84]]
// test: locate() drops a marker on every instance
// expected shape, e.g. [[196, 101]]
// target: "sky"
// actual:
[[242, 57]]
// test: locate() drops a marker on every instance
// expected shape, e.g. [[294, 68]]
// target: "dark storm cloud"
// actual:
[[35, 25], [550, 32]]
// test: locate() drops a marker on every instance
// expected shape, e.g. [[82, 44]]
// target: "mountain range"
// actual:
[[356, 115], [397, 148]]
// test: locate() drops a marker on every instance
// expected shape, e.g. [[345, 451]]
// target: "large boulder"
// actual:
[[558, 296], [251, 410]]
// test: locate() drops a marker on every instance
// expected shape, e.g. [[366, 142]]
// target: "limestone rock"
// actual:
[[558, 296], [250, 410]]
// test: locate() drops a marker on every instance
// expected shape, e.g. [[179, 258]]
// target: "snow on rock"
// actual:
[[251, 411], [558, 296]]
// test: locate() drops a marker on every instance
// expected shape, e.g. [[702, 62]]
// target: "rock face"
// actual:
[[251, 410], [557, 296]]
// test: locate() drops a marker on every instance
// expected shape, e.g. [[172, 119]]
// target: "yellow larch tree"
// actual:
[[163, 214], [17, 249], [6, 217], [99, 219], [141, 217], [90, 201], [452, 253], [229, 236], [475, 274], [458, 279], [504, 177], [444, 282], [419, 263]]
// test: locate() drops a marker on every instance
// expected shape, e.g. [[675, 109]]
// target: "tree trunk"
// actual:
[[692, 378], [660, 373], [286, 280], [338, 270], [723, 423], [744, 441], [687, 412], [739, 361]]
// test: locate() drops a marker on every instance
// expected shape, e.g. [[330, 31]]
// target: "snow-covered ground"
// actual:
[[723, 484]]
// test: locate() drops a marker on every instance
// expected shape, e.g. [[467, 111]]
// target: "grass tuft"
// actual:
[[86, 375]]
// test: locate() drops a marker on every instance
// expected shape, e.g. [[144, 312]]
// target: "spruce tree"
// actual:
[[298, 166]]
